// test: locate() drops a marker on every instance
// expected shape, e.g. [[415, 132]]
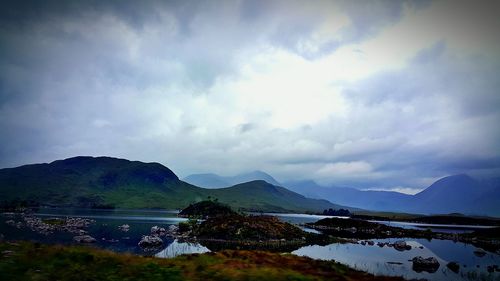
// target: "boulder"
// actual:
[[124, 227], [84, 239], [172, 229], [453, 266], [401, 246], [421, 264], [155, 229], [492, 268], [479, 253], [150, 242]]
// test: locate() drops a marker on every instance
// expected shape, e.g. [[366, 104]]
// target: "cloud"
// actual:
[[371, 96], [400, 189]]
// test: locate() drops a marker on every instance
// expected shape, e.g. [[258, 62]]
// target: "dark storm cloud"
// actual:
[[377, 95]]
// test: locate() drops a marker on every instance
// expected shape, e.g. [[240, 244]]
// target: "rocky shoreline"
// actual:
[[356, 230], [48, 226]]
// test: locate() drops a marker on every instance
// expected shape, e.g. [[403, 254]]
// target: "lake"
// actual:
[[372, 259]]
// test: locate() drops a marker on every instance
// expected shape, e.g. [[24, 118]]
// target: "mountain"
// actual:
[[369, 199], [111, 182], [215, 181], [259, 194], [96, 182], [453, 194], [458, 193]]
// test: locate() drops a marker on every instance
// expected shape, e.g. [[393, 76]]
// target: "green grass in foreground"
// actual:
[[28, 261]]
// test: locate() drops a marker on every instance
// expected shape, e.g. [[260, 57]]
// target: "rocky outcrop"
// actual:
[[421, 264], [150, 241], [158, 231], [84, 239]]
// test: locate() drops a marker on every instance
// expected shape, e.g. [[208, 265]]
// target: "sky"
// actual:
[[386, 95]]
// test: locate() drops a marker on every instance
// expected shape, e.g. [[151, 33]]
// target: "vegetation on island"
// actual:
[[241, 227], [222, 223], [225, 229], [32, 261], [206, 209], [339, 212]]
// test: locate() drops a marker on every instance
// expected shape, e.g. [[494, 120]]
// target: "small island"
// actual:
[[223, 228]]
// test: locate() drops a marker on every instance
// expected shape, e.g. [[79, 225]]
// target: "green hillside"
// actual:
[[95, 182], [260, 195]]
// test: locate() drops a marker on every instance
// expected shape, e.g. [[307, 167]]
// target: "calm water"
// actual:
[[367, 258], [447, 228], [105, 229], [376, 260]]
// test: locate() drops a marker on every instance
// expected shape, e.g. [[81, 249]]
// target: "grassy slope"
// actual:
[[260, 195], [29, 261]]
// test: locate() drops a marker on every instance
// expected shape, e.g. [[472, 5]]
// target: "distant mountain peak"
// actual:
[[456, 183], [210, 180]]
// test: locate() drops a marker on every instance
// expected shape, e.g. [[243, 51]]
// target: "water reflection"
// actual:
[[388, 261], [177, 248]]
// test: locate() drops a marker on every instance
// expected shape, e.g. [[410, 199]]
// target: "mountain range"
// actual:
[[120, 183], [452, 194], [111, 182]]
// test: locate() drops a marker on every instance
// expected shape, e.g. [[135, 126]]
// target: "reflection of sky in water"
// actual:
[[178, 248], [375, 259]]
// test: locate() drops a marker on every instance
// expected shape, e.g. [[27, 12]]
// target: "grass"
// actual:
[[239, 227], [29, 261]]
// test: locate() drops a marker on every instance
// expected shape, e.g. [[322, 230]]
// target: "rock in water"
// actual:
[[492, 268], [479, 253], [124, 227], [420, 264], [150, 242], [401, 246], [453, 266], [84, 239], [155, 229]]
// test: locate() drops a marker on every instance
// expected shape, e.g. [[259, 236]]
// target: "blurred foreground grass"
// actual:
[[32, 261]]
